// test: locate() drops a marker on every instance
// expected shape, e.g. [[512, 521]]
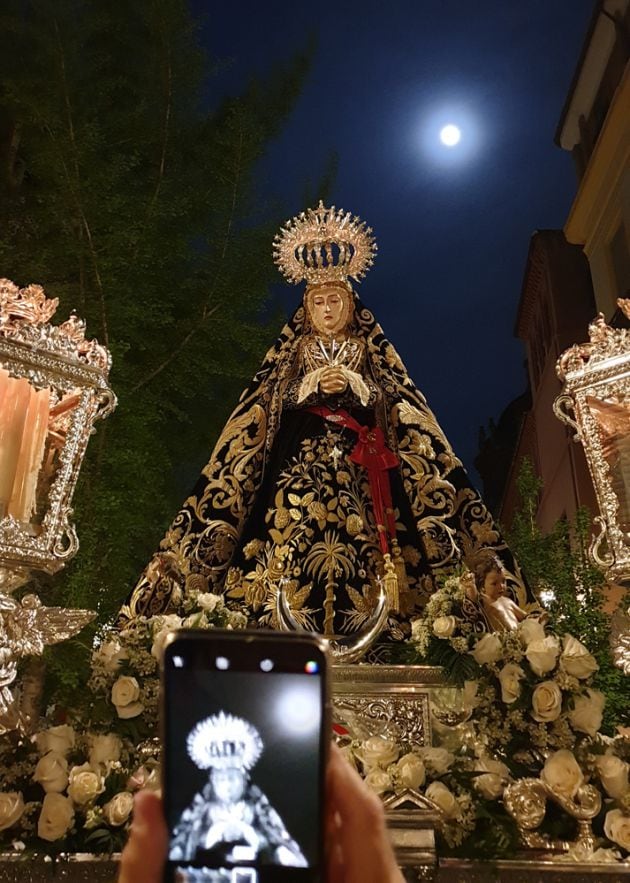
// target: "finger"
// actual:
[[334, 863], [335, 872], [143, 857], [367, 853]]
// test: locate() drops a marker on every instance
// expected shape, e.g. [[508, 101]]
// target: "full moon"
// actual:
[[450, 135]]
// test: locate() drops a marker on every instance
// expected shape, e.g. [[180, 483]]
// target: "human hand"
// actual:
[[333, 381], [144, 855], [359, 850]]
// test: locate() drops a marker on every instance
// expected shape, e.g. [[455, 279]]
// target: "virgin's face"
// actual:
[[328, 309], [228, 784], [494, 585]]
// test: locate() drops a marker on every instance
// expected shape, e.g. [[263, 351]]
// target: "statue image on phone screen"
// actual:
[[230, 821]]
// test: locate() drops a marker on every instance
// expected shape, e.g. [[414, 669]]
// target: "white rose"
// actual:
[[562, 773], [110, 656], [56, 817], [546, 702], [613, 772], [209, 602], [84, 784], [530, 629], [489, 785], [58, 739], [118, 809], [444, 626], [52, 772], [410, 771], [437, 759], [542, 655], [194, 621], [125, 693], [617, 828], [575, 658], [162, 626], [379, 781], [378, 752], [166, 621], [494, 775], [495, 767], [470, 698], [104, 748], [444, 799], [587, 712], [509, 678], [487, 649], [11, 808], [128, 711]]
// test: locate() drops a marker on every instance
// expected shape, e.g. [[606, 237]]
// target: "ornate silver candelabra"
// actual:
[[595, 403], [53, 387]]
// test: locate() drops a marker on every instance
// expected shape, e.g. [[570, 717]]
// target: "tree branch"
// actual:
[[206, 311], [165, 139], [167, 361], [76, 191]]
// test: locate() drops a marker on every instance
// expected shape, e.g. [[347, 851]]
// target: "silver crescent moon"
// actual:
[[348, 648]]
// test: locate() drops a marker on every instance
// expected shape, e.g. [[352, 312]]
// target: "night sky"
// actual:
[[453, 226]]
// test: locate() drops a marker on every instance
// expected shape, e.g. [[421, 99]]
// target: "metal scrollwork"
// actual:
[[598, 551], [526, 801], [397, 717], [53, 387], [596, 390], [562, 408]]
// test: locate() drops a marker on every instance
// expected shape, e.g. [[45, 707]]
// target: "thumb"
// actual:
[[144, 855]]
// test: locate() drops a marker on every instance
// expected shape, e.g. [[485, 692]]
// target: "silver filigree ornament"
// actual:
[[526, 801], [53, 388], [595, 404]]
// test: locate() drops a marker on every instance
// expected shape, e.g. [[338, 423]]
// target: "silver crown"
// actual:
[[222, 741]]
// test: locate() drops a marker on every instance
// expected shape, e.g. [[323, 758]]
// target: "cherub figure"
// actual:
[[501, 612]]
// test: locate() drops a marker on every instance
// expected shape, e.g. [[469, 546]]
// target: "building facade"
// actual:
[[555, 308], [573, 274], [595, 128]]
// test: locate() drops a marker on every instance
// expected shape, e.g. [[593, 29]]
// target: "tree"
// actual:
[[561, 573], [134, 205]]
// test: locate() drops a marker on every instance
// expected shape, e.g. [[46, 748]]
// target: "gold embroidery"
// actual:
[[316, 540]]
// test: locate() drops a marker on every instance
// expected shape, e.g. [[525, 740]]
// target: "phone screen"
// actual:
[[244, 750]]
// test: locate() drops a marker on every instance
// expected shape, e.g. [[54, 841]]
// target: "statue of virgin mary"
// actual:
[[332, 499]]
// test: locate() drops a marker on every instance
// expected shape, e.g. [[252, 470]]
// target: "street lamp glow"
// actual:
[[450, 135]]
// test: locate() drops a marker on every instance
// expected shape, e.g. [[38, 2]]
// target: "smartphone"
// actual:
[[246, 725]]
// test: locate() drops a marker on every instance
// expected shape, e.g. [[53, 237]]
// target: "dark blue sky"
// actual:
[[453, 228]]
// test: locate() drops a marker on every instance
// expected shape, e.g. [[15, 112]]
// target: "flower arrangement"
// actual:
[[390, 769], [521, 705], [70, 786], [531, 711]]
